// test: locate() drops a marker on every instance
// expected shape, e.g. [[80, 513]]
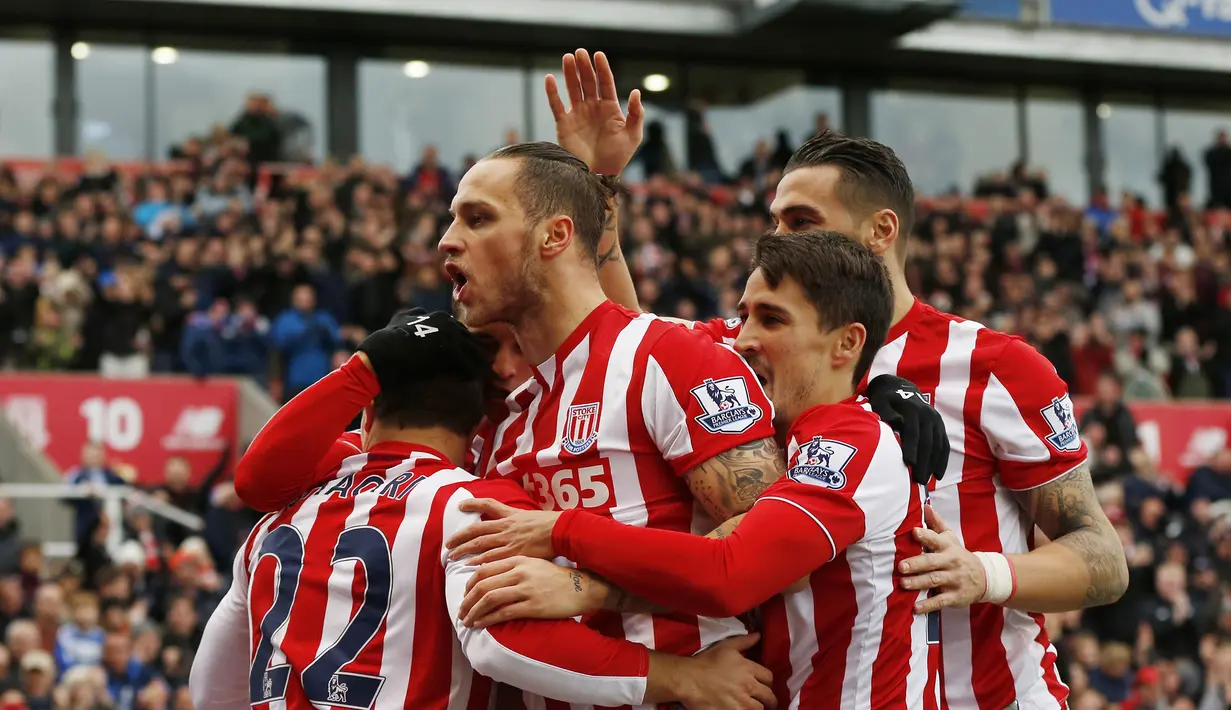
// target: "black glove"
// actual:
[[417, 345], [900, 404]]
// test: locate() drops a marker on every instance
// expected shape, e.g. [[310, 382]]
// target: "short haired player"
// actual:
[[815, 308], [346, 598], [1018, 464]]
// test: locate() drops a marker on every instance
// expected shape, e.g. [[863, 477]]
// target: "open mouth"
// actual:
[[458, 277]]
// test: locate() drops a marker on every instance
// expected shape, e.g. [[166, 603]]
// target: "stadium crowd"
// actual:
[[202, 268]]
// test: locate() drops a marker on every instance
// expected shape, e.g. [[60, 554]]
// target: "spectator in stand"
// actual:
[[93, 473], [10, 539], [245, 342], [258, 125], [430, 178], [306, 337], [122, 313], [38, 678], [1191, 376], [1111, 415], [80, 642], [201, 348], [1218, 167]]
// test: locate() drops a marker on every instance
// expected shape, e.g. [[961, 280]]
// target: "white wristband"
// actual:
[[1001, 580]]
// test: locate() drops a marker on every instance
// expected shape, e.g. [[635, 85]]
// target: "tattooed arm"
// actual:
[[1084, 563], [1080, 565], [613, 272], [729, 483]]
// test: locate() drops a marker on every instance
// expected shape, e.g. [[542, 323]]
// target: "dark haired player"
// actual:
[[817, 304], [1015, 464], [346, 597]]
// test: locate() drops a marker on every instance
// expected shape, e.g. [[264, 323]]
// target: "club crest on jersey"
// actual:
[[1063, 425], [733, 323], [728, 409], [580, 428], [820, 463]]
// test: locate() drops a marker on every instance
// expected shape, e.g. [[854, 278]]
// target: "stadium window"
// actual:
[[27, 125], [1130, 142], [1191, 126], [744, 106], [465, 106], [200, 89], [661, 85], [1057, 140], [112, 101], [948, 139]]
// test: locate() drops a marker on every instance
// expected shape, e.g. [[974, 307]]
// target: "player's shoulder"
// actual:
[[505, 490], [676, 338], [835, 444], [852, 419]]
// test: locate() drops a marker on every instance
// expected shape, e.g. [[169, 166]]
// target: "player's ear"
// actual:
[[556, 236], [848, 344], [882, 231]]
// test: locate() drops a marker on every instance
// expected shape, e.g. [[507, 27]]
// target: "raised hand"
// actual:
[[593, 127]]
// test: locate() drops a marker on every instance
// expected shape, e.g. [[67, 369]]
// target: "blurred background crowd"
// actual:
[[203, 269], [1074, 188]]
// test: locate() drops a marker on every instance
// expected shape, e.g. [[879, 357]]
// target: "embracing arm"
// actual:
[[285, 458], [1083, 565], [729, 483], [710, 576]]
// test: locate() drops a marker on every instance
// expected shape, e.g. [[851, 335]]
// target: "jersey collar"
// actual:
[[545, 372]]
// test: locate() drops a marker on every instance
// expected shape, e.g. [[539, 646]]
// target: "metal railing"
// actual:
[[112, 498]]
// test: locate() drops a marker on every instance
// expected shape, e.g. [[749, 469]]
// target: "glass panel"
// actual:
[[666, 126], [947, 140], [1193, 129], [27, 89], [463, 110], [1130, 139], [544, 126], [200, 89], [744, 107], [1058, 143], [111, 85]]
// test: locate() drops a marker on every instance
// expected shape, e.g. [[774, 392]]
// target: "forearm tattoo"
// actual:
[[1068, 511]]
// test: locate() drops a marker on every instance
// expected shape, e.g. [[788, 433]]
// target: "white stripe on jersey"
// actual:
[[574, 365], [951, 391]]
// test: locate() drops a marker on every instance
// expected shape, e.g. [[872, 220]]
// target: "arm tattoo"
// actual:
[[1068, 512], [576, 577], [729, 483], [612, 254]]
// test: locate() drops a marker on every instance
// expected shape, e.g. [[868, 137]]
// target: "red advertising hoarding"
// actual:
[[141, 423], [1180, 436]]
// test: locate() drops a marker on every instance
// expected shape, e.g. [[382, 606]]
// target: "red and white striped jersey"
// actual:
[[612, 422], [348, 600], [851, 639], [1011, 428], [843, 517]]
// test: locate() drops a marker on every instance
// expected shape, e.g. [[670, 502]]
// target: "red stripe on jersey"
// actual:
[[668, 502], [898, 622], [834, 610], [990, 673], [776, 647]]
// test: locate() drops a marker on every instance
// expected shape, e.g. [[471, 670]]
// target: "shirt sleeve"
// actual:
[[700, 399], [219, 676], [303, 442], [1028, 419], [723, 331], [767, 552], [563, 660]]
